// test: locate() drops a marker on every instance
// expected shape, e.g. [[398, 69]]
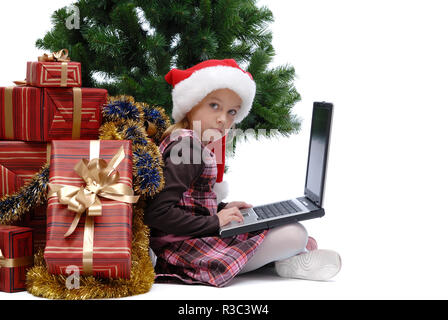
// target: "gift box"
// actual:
[[19, 162], [89, 212], [53, 74], [53, 70], [43, 114], [16, 256]]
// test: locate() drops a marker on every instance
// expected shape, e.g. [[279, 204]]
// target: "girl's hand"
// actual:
[[227, 215], [238, 204]]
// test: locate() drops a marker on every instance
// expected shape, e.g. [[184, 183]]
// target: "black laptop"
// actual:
[[306, 207]]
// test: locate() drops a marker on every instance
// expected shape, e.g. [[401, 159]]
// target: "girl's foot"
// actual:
[[311, 244], [319, 265]]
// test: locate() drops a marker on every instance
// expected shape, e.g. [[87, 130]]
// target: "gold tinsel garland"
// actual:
[[26, 198], [43, 284]]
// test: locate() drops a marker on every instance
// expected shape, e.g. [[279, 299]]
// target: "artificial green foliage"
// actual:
[[127, 46]]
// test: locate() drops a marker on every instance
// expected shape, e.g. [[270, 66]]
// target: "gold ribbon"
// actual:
[[48, 152], [9, 120], [64, 70], [57, 56], [20, 82], [15, 262], [101, 180], [77, 106]]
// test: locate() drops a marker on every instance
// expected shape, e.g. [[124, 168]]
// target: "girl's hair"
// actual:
[[183, 124]]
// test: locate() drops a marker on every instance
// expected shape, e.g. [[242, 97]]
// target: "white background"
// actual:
[[384, 66]]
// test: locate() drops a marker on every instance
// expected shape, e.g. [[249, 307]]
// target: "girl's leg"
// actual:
[[280, 243], [286, 246]]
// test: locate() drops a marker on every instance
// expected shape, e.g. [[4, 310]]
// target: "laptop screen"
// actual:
[[318, 150]]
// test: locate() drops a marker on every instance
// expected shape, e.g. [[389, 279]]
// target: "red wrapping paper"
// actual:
[[112, 230], [15, 242], [45, 114], [36, 219], [19, 162], [50, 74]]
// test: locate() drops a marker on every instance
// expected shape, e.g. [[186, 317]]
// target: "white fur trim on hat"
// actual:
[[222, 190], [190, 91]]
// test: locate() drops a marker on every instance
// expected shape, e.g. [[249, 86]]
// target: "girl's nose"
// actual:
[[221, 118]]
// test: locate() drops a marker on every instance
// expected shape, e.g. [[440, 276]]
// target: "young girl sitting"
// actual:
[[185, 217]]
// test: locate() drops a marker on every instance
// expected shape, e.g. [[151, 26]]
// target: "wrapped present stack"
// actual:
[[68, 171], [50, 105]]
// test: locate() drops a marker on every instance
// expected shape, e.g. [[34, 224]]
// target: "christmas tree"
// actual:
[[127, 46]]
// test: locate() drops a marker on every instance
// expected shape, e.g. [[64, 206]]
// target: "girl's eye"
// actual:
[[214, 105], [233, 112]]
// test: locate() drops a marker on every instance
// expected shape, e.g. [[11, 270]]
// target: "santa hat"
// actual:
[[192, 85]]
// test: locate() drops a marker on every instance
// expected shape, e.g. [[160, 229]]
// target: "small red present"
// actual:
[[16, 256], [89, 212], [53, 74], [54, 70], [43, 114]]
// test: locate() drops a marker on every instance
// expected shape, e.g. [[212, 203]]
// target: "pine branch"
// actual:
[[127, 46]]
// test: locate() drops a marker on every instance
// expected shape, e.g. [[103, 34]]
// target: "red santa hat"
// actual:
[[192, 85]]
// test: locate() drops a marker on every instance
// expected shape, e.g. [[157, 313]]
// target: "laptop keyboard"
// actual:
[[276, 209]]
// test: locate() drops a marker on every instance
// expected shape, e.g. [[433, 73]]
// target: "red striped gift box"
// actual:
[[16, 256], [19, 162], [53, 74], [44, 114], [21, 116], [112, 229]]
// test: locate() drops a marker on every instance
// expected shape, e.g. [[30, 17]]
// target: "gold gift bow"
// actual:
[[15, 262], [101, 181], [57, 56]]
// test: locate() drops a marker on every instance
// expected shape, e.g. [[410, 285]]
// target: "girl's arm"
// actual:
[[162, 212]]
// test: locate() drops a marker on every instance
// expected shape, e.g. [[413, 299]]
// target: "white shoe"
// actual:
[[319, 265]]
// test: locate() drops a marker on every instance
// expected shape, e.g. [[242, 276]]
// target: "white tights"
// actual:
[[280, 243]]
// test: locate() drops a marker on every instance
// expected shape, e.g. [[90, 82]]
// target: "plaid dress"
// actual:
[[211, 261]]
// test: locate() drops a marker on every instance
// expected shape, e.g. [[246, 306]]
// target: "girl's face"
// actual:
[[215, 114]]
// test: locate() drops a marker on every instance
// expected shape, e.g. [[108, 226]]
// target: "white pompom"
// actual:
[[222, 190]]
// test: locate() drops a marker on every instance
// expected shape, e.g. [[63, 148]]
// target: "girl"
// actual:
[[186, 216]]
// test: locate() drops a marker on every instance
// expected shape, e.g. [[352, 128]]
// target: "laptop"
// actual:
[[308, 206]]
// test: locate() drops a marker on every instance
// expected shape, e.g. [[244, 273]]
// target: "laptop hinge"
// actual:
[[312, 202]]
